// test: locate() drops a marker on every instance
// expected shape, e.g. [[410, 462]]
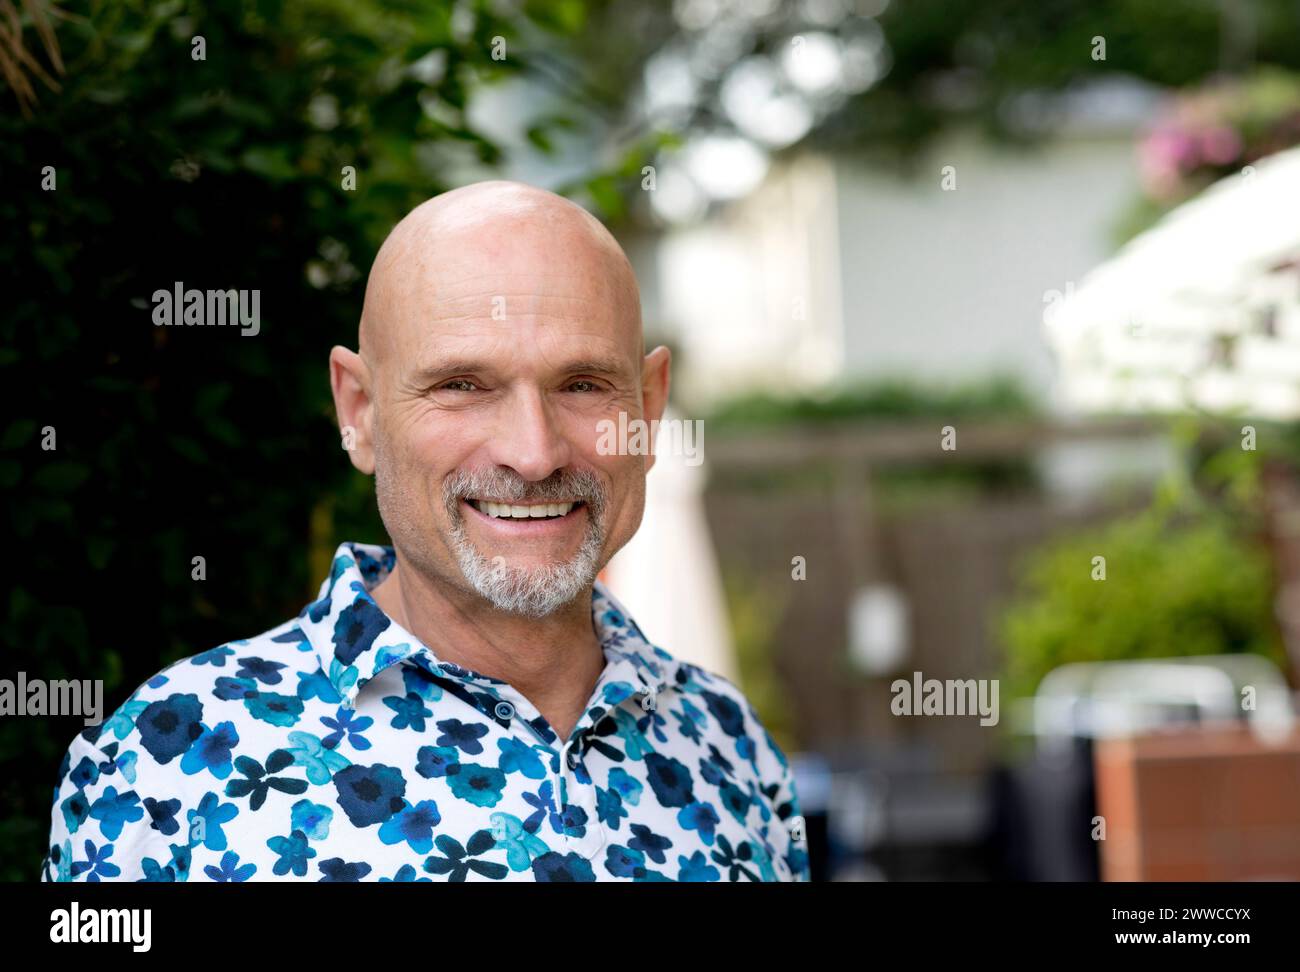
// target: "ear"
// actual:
[[350, 383], [655, 380]]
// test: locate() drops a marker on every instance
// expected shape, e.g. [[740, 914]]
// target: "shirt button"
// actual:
[[505, 710], [648, 701]]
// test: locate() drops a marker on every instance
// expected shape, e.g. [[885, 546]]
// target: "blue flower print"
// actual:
[[337, 870], [211, 751], [458, 861], [230, 871], [266, 672], [228, 689], [313, 819], [418, 681], [648, 842], [125, 763], [406, 874], [321, 763], [294, 853], [349, 726], [316, 685], [479, 785], [625, 785], [414, 825], [277, 709], [162, 815], [155, 872], [520, 844], [736, 801], [121, 722], [169, 727], [258, 782], [96, 863], [75, 810], [670, 780], [370, 794], [735, 860], [543, 802], [609, 808], [518, 757], [625, 862], [216, 657], [701, 817], [696, 868], [213, 815], [114, 810], [462, 736], [411, 712], [568, 868], [358, 626], [435, 762]]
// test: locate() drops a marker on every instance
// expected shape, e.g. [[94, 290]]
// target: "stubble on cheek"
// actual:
[[406, 504]]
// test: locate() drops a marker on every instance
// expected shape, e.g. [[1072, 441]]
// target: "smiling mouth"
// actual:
[[524, 511]]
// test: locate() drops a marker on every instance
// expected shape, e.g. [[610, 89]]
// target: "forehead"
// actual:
[[518, 302]]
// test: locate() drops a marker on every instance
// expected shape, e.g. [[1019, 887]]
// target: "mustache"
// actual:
[[499, 484]]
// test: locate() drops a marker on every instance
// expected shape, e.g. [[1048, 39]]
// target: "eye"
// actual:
[[458, 384], [583, 385]]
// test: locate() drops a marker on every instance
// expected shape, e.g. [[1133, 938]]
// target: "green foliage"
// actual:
[[1172, 587], [888, 399], [754, 610]]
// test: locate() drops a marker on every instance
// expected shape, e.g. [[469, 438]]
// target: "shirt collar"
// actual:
[[355, 640]]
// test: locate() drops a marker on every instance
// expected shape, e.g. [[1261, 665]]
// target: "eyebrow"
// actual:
[[433, 374]]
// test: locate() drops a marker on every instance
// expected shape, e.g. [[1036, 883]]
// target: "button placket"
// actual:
[[572, 793]]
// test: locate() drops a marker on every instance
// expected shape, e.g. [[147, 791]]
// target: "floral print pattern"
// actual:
[[337, 747]]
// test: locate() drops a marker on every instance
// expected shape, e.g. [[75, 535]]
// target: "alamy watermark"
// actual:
[[953, 696], [208, 308], [637, 437], [75, 925], [53, 697]]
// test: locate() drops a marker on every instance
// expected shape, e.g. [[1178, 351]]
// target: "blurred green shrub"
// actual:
[[1173, 586], [887, 399], [754, 609]]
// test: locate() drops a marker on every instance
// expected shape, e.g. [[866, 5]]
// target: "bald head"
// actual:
[[493, 240], [500, 345]]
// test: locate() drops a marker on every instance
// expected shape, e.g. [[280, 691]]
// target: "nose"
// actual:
[[528, 440]]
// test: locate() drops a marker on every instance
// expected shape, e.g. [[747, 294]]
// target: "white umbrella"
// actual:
[[1201, 311]]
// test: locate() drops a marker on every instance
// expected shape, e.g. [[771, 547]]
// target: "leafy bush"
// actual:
[[1172, 587], [891, 398]]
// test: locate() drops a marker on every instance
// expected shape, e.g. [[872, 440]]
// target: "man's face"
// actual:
[[487, 406]]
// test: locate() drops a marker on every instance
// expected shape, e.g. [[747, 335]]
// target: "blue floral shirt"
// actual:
[[337, 747]]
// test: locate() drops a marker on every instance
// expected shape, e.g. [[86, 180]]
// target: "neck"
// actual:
[[554, 662]]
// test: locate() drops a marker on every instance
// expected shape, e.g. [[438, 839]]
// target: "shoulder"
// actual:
[[731, 712], [127, 786], [226, 684]]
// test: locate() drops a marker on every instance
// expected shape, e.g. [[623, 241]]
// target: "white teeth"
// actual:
[[520, 512]]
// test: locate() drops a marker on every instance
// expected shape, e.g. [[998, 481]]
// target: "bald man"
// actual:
[[468, 703]]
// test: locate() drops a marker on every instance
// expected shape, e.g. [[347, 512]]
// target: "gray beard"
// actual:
[[533, 592]]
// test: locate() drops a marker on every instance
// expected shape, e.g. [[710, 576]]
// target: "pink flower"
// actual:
[[1220, 145]]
